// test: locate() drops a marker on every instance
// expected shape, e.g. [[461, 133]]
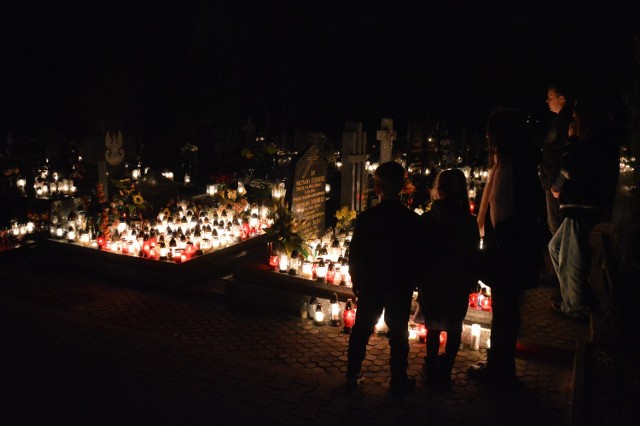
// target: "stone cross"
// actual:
[[386, 135], [354, 177]]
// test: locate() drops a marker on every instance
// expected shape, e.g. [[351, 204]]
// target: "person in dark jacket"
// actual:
[[452, 234], [382, 266], [560, 103], [585, 188], [508, 225]]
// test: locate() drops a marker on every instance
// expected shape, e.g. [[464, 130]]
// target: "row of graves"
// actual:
[[311, 277], [277, 249], [133, 225]]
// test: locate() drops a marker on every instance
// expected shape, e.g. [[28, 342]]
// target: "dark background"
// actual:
[[194, 71]]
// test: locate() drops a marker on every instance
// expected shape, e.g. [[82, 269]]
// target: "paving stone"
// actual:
[[276, 411], [308, 408], [170, 325]]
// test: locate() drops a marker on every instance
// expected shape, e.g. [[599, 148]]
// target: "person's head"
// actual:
[[451, 185], [505, 132], [558, 96], [389, 179], [590, 119]]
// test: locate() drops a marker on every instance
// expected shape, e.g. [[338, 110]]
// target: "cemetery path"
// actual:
[[82, 349]]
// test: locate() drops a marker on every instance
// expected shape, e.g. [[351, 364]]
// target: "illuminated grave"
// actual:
[[180, 246]]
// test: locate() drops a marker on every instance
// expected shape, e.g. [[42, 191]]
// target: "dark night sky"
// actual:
[[172, 68]]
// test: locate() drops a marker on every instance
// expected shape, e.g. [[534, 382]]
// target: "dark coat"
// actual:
[[515, 240], [451, 271], [553, 147], [384, 248], [589, 175]]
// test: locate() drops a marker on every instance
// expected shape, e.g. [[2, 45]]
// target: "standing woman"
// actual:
[[507, 223], [451, 275]]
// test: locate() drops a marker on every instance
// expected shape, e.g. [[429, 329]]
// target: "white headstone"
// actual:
[[308, 194], [354, 178]]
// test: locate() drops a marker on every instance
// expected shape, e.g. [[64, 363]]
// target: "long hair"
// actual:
[[593, 120], [452, 184], [505, 134]]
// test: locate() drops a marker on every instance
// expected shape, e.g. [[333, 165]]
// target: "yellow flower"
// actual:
[[271, 149], [137, 199], [345, 214], [246, 153]]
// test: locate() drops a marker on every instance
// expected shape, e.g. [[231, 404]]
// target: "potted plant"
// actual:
[[283, 236]]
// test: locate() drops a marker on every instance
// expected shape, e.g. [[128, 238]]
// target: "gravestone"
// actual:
[[386, 135], [416, 145], [158, 190], [105, 153], [308, 195], [354, 178]]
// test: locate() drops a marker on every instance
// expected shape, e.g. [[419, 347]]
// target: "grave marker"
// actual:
[[386, 135], [106, 152], [354, 178], [308, 194]]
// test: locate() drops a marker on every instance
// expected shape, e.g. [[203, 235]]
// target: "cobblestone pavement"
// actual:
[[82, 350]]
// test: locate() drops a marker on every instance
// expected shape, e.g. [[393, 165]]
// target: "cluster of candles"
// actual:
[[189, 231], [417, 332], [330, 264], [21, 229], [323, 264], [481, 299], [49, 185], [316, 313], [15, 233], [53, 188]]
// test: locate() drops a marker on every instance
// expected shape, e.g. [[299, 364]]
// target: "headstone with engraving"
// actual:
[[308, 192], [386, 135], [354, 178]]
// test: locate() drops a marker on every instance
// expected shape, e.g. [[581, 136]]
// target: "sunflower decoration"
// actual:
[[283, 233], [137, 199], [128, 199]]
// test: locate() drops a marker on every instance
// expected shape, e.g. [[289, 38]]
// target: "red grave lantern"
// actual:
[[348, 316], [486, 304], [422, 332], [443, 337], [473, 300]]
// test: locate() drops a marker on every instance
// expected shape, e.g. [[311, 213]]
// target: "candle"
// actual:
[[475, 336], [284, 262]]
